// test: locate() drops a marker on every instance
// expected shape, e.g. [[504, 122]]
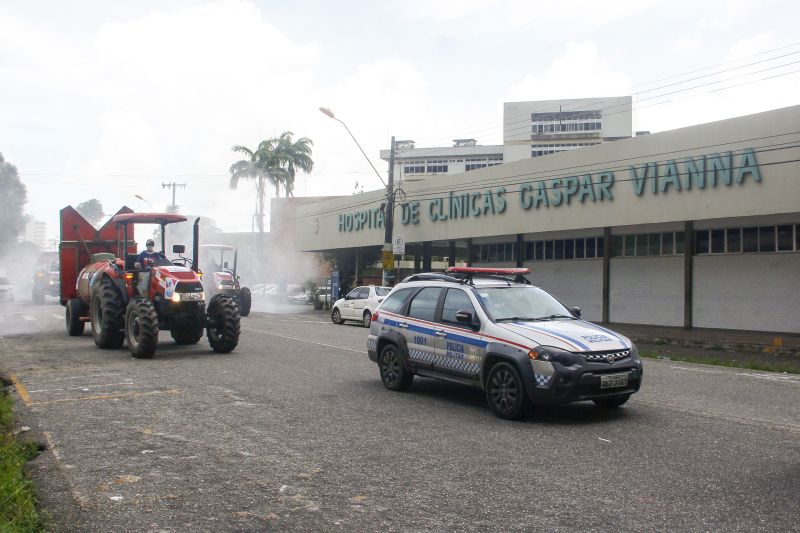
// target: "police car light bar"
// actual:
[[489, 271]]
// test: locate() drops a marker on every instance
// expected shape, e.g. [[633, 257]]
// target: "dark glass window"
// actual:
[[600, 251], [394, 303], [785, 238], [641, 245], [655, 243], [509, 251], [766, 239], [423, 306], [548, 249], [539, 250], [529, 256], [750, 239], [591, 249], [579, 248], [734, 237], [492, 252], [718, 241], [569, 249], [559, 246], [701, 242], [630, 245], [680, 245], [456, 300], [484, 251], [666, 243]]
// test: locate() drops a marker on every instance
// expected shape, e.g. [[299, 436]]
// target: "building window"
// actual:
[[734, 240], [701, 242], [785, 238], [766, 239], [580, 248], [667, 247], [749, 240]]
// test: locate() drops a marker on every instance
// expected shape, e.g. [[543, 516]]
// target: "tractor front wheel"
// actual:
[[108, 315], [141, 327], [75, 310], [223, 323], [245, 301]]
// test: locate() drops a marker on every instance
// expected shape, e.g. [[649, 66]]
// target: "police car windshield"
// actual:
[[519, 303]]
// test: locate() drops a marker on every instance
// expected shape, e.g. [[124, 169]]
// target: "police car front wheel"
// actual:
[[505, 392], [394, 374]]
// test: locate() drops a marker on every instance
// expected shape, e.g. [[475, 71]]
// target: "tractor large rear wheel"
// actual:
[[108, 315], [75, 310], [188, 335], [141, 327], [223, 323], [245, 301]]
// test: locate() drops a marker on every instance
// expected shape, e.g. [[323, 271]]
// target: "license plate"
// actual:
[[612, 381]]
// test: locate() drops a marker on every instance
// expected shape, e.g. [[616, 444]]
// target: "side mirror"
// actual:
[[225, 264], [178, 248], [466, 318], [576, 311]]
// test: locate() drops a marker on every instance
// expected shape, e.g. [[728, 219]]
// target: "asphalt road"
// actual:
[[294, 431]]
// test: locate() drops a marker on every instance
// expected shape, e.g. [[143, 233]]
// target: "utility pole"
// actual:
[[173, 208], [388, 221]]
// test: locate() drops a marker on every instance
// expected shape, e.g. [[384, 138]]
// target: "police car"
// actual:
[[491, 328]]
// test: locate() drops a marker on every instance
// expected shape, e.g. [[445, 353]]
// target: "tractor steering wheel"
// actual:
[[182, 261]]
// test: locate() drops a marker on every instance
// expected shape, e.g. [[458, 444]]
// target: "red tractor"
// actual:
[[220, 278], [124, 302]]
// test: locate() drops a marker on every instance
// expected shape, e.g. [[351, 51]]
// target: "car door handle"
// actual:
[[441, 334], [402, 325]]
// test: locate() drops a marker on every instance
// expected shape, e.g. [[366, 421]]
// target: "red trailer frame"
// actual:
[[80, 239]]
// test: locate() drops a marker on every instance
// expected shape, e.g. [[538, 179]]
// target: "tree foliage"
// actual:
[[13, 196], [91, 210], [276, 160]]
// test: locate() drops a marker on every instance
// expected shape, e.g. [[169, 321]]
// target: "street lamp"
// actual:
[[388, 212], [145, 201]]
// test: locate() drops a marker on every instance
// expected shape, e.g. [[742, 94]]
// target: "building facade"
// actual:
[[530, 129], [696, 227]]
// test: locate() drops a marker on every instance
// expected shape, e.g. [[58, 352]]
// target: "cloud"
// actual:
[[580, 72]]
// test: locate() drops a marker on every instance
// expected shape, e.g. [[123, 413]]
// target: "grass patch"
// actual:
[[750, 364], [17, 495]]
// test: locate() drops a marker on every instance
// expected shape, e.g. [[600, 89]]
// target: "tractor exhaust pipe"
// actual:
[[196, 245]]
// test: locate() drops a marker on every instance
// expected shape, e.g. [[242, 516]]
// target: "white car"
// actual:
[[6, 289], [359, 304]]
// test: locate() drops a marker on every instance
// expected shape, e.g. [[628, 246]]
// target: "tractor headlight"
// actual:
[[188, 297]]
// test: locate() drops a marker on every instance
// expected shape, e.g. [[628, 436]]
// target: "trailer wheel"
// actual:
[[245, 301], [189, 335], [141, 327], [108, 315], [223, 323], [75, 309]]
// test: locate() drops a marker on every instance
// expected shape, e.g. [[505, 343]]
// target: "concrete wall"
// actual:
[[646, 290], [576, 283], [748, 291]]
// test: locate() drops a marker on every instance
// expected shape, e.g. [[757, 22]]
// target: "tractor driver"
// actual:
[[147, 259]]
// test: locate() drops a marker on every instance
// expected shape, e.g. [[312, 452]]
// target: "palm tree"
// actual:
[[291, 157], [251, 168]]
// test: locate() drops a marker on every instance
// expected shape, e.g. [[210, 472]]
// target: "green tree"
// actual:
[[91, 210], [13, 196], [291, 157], [254, 168]]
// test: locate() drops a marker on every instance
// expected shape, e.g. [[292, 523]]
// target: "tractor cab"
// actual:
[[220, 262]]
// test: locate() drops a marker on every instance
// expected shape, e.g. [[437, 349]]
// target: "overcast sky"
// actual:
[[110, 99]]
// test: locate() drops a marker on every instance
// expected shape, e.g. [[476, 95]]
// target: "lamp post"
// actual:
[[140, 197], [387, 258]]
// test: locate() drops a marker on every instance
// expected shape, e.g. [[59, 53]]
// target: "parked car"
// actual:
[[359, 304], [6, 290]]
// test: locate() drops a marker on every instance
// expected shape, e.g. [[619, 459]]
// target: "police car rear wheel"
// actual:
[[505, 392], [611, 403], [336, 317], [393, 373]]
